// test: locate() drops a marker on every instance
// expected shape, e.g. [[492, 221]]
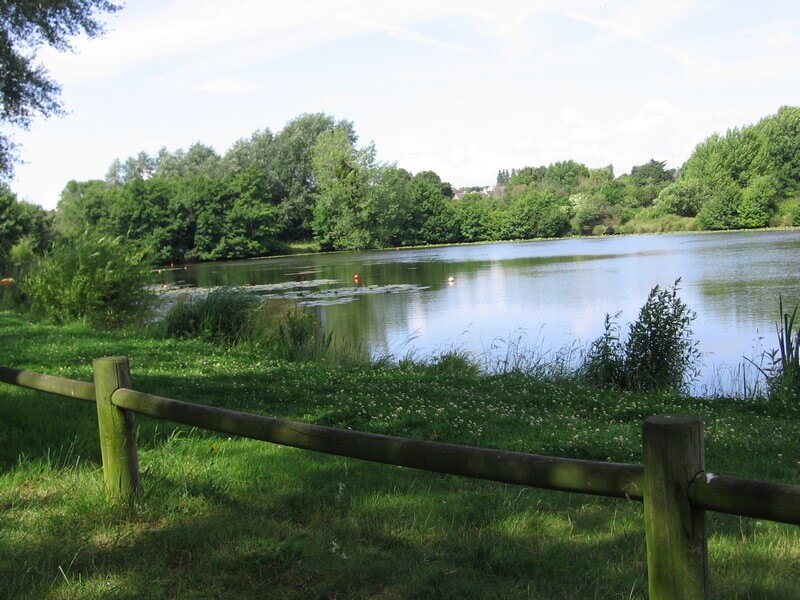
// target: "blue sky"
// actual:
[[462, 87]]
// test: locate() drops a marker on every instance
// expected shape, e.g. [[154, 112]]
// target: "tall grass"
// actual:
[[225, 315], [782, 371], [284, 330]]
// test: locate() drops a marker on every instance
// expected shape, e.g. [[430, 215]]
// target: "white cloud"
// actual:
[[570, 116], [651, 115]]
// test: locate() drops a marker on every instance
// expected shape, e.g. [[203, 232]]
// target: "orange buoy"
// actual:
[[356, 278]]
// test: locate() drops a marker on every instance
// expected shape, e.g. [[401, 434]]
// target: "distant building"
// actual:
[[489, 190]]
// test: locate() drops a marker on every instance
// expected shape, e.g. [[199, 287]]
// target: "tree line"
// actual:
[[313, 181]]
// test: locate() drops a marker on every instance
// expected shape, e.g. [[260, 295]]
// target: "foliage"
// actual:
[[346, 210], [605, 362], [100, 279], [233, 316], [659, 353], [747, 172], [20, 222], [684, 198], [758, 202], [310, 181], [25, 88], [721, 210], [297, 334]]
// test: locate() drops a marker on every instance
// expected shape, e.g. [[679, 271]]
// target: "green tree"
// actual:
[[232, 219], [684, 197], [476, 215], [345, 213], [26, 90], [199, 159], [589, 210], [292, 167], [85, 205], [255, 152], [393, 202], [18, 221], [758, 202], [566, 173], [721, 210]]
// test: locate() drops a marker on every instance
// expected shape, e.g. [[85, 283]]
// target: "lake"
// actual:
[[544, 294]]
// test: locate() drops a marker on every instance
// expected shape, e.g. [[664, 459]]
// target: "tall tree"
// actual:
[[346, 212], [26, 90], [292, 168]]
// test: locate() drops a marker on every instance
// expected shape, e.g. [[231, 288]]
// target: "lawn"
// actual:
[[233, 518]]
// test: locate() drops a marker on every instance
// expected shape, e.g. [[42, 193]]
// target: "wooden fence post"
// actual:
[[117, 430], [677, 565]]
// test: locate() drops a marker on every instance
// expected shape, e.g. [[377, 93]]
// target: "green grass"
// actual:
[[230, 518]]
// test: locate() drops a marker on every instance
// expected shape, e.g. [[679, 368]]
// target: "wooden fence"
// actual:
[[673, 482]]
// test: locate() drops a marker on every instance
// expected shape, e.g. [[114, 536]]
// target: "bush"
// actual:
[[100, 279], [605, 363], [659, 352]]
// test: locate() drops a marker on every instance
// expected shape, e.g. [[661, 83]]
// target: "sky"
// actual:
[[463, 87]]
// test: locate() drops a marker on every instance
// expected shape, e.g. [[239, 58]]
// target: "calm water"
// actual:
[[549, 293]]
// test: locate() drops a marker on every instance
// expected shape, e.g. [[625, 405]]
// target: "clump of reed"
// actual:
[[781, 366], [232, 316]]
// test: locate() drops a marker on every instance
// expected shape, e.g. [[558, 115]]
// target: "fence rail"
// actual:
[[673, 482]]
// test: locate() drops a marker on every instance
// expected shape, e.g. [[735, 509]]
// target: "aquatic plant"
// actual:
[[782, 371]]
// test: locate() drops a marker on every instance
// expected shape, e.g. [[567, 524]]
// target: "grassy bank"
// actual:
[[228, 518]]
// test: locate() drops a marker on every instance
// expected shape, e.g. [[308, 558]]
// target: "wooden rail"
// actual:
[[673, 482]]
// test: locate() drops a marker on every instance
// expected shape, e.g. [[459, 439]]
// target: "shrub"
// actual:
[[659, 352], [605, 362], [100, 279]]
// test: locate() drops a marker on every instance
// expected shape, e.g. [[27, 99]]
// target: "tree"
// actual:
[[85, 205], [685, 197], [757, 203], [292, 168], [26, 90], [18, 221], [345, 213]]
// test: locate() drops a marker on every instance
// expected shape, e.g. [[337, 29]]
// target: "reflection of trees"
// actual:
[[753, 302]]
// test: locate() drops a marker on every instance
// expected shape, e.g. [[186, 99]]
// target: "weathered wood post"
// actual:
[[677, 565], [117, 430]]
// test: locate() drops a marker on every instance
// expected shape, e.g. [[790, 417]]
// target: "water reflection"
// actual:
[[555, 291]]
